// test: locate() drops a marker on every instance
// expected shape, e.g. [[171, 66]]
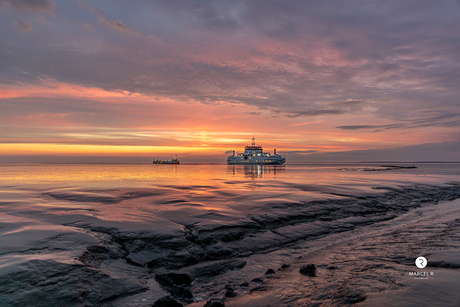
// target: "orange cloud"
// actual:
[[52, 88], [96, 150]]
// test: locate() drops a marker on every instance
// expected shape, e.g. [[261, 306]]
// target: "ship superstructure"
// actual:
[[253, 154], [172, 161]]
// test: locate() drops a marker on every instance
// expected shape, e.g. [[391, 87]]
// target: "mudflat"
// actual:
[[131, 234]]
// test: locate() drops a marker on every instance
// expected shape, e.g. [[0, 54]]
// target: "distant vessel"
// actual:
[[172, 161], [253, 154]]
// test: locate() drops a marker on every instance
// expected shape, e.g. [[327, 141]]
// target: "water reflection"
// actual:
[[255, 171], [99, 176]]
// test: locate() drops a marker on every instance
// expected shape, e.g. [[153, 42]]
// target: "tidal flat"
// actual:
[[131, 234]]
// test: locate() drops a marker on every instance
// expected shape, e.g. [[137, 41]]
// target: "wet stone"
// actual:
[[96, 254], [170, 279], [98, 249], [285, 266], [167, 302], [214, 302], [180, 293], [218, 252], [258, 289], [213, 268], [308, 270], [270, 272], [230, 293]]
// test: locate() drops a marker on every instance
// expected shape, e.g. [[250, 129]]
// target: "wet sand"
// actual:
[[372, 268], [123, 236]]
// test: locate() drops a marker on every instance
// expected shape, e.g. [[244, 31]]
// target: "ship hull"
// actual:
[[165, 162], [255, 163], [232, 160]]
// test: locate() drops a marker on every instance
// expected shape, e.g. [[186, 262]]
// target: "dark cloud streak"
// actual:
[[37, 6], [314, 113], [23, 26], [437, 121], [115, 24]]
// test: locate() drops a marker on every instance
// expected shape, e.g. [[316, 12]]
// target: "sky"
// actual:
[[130, 81]]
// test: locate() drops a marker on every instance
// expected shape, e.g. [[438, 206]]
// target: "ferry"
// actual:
[[253, 154], [172, 161]]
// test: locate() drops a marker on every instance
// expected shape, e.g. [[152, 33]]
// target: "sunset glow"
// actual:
[[104, 79]]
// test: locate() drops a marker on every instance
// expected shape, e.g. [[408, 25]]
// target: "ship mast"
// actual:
[[253, 141]]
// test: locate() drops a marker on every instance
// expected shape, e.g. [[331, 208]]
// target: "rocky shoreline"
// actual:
[[90, 261]]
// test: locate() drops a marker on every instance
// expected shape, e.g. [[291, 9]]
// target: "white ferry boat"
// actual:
[[253, 154]]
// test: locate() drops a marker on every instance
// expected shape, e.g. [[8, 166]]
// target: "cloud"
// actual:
[[314, 113], [357, 127], [306, 123], [23, 26], [380, 61], [115, 24], [444, 120], [37, 6], [302, 59], [299, 152], [442, 152]]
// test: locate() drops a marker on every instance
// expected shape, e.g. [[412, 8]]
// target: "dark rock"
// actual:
[[230, 293], [212, 268], [270, 272], [244, 285], [285, 266], [97, 249], [233, 235], [154, 264], [443, 264], [180, 293], [96, 254], [218, 252], [257, 280], [173, 279], [174, 282], [167, 302], [228, 287], [130, 261], [214, 302], [258, 288], [308, 270], [191, 260], [331, 267]]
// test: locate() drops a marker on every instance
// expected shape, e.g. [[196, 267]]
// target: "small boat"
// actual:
[[172, 161], [253, 154]]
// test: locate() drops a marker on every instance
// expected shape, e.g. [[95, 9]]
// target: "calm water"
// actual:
[[130, 221], [147, 175]]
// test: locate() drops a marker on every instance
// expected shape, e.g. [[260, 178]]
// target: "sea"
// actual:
[[132, 234]]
